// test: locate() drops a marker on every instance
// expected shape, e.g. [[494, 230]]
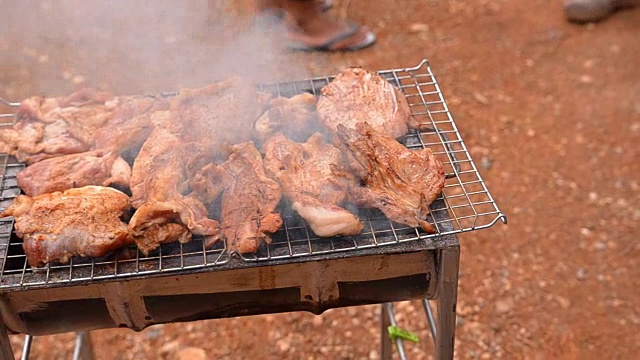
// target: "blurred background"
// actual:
[[549, 110]]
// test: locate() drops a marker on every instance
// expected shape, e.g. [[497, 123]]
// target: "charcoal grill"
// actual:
[[388, 262]]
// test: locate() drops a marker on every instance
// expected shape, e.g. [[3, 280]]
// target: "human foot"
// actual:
[[350, 38]]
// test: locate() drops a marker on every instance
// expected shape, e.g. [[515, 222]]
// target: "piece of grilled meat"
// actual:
[[295, 117], [98, 167], [130, 124], [357, 95], [220, 114], [48, 127], [160, 188], [249, 198], [399, 181], [82, 121], [78, 222], [313, 177]]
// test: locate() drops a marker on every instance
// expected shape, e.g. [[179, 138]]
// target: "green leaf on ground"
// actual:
[[395, 332]]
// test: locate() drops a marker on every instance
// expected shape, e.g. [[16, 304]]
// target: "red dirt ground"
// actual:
[[551, 110]]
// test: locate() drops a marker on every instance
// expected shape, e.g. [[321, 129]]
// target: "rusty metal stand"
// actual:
[[434, 263], [442, 325]]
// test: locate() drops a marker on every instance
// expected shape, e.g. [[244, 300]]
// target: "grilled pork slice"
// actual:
[[220, 114], [249, 198], [130, 125], [160, 189], [314, 178], [357, 95], [400, 182], [295, 117], [199, 126], [48, 127], [84, 120], [78, 222], [98, 167]]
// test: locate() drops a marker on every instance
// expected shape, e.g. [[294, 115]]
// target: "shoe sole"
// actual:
[[582, 13]]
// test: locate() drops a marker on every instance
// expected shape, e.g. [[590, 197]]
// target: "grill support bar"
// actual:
[[442, 325], [446, 297], [413, 271], [430, 318], [26, 349], [84, 348]]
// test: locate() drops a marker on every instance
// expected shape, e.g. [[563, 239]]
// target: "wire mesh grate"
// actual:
[[464, 205]]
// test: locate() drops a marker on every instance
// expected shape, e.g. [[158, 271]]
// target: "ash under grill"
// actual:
[[464, 205]]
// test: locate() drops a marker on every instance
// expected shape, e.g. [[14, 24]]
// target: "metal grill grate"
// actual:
[[464, 205]]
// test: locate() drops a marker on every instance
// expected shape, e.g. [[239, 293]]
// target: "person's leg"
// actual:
[[594, 10], [311, 29]]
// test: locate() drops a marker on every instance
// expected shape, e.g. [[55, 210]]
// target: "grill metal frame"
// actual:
[[464, 205]]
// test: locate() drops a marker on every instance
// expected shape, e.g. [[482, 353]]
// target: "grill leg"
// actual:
[[84, 347], [6, 352], [26, 349], [448, 267], [389, 314], [385, 339]]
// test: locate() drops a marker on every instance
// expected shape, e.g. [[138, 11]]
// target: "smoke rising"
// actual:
[[127, 47]]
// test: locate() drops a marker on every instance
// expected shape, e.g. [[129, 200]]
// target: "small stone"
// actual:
[[78, 79], [153, 333], [593, 196], [623, 203], [585, 232], [586, 79], [616, 303], [283, 345], [373, 355], [317, 321], [418, 28], [486, 163], [503, 306], [191, 353], [465, 310], [581, 274], [599, 245], [454, 100], [480, 98], [564, 302], [169, 347]]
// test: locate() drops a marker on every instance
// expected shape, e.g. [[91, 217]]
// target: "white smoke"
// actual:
[[129, 47]]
